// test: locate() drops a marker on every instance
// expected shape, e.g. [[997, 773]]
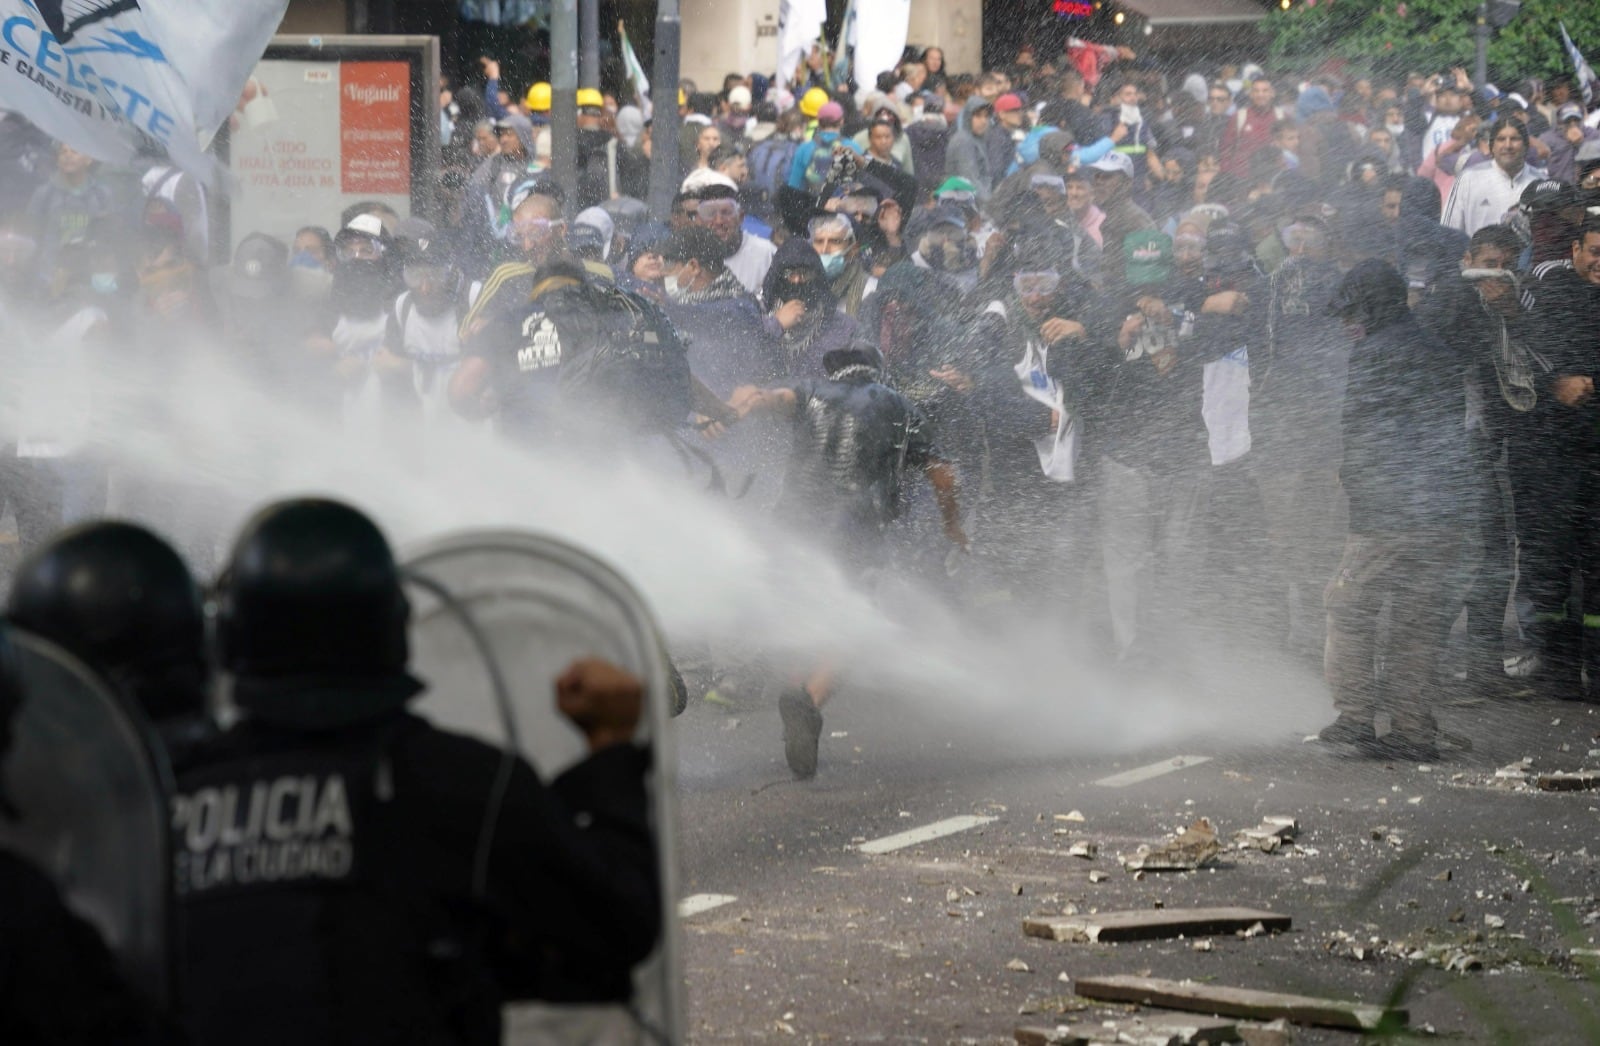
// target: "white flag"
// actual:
[[799, 25], [881, 30], [114, 78]]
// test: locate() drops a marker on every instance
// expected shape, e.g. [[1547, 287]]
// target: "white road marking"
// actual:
[[936, 830], [1145, 773], [702, 902]]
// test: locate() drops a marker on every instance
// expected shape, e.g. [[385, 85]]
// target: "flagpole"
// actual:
[[1480, 69], [564, 97], [664, 125]]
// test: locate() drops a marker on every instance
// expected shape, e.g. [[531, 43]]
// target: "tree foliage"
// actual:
[[1391, 37]]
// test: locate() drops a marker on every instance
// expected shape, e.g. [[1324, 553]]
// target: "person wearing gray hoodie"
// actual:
[[968, 153]]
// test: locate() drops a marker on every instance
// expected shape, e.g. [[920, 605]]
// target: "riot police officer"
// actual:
[[348, 872], [59, 984], [122, 600]]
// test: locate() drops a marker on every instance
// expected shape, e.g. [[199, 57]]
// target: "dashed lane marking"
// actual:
[[936, 830], [702, 902], [1146, 773]]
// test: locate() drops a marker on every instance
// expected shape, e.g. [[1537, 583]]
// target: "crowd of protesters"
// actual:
[[1304, 356]]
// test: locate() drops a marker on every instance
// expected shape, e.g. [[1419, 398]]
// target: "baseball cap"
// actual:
[[1149, 256], [1547, 194], [1007, 103], [831, 112], [1114, 163], [1570, 111], [954, 184], [739, 97], [364, 225]]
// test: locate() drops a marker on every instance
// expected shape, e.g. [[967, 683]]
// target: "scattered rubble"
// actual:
[[1195, 848], [1157, 1030], [1272, 833]]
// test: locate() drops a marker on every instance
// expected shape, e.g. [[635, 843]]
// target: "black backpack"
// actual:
[[620, 354]]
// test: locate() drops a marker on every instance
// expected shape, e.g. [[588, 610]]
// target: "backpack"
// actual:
[[770, 162], [620, 354]]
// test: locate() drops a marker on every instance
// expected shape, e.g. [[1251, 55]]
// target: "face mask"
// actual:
[[832, 264], [1130, 115], [1396, 129], [674, 290], [305, 260], [104, 282], [310, 284]]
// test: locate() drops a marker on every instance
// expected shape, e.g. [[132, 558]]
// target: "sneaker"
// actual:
[[1351, 728], [802, 730]]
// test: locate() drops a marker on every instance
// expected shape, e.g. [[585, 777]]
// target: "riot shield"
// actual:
[[91, 792], [497, 616]]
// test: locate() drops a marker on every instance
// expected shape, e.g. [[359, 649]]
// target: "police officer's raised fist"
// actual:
[[602, 700]]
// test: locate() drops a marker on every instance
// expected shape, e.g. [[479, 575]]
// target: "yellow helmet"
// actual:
[[589, 98], [538, 100], [812, 101]]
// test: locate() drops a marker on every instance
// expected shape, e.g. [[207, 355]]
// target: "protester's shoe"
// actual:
[[1351, 728], [802, 730]]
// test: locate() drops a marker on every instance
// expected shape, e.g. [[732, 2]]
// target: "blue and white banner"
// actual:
[[799, 27], [117, 78], [1586, 79]]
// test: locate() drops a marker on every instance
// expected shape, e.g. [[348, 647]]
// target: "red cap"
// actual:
[[1007, 103]]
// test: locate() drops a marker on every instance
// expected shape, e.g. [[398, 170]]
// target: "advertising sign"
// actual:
[[330, 124]]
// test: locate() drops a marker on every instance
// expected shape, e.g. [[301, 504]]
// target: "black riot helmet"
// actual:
[[1372, 296], [121, 600], [312, 618]]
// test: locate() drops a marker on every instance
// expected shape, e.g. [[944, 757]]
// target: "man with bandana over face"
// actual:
[[1407, 473], [362, 291], [802, 316]]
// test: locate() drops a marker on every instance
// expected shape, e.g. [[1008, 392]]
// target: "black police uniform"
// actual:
[[349, 873], [336, 886]]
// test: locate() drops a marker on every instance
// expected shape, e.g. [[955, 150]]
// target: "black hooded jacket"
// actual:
[[1428, 252], [1406, 461]]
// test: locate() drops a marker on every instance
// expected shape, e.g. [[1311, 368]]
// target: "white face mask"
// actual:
[[673, 288], [1130, 115], [1396, 129]]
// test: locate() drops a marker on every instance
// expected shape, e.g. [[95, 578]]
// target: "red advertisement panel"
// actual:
[[375, 127]]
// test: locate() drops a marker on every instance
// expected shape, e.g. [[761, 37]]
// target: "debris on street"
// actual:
[[1160, 924], [1195, 848], [1272, 833]]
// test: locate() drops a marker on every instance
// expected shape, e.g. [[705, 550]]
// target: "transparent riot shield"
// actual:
[[497, 616], [91, 792]]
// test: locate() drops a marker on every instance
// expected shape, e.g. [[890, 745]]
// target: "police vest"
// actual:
[[301, 923]]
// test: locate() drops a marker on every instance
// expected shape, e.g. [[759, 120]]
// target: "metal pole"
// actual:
[[589, 30], [664, 127], [564, 97], [1480, 69]]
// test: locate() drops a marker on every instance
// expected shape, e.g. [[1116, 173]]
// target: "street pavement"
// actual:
[[1457, 890]]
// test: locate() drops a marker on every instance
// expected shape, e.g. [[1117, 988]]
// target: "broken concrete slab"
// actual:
[[1237, 1002], [1150, 925], [1580, 781], [1194, 848], [1156, 1030]]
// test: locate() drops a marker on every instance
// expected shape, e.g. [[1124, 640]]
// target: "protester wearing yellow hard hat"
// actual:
[[538, 100]]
